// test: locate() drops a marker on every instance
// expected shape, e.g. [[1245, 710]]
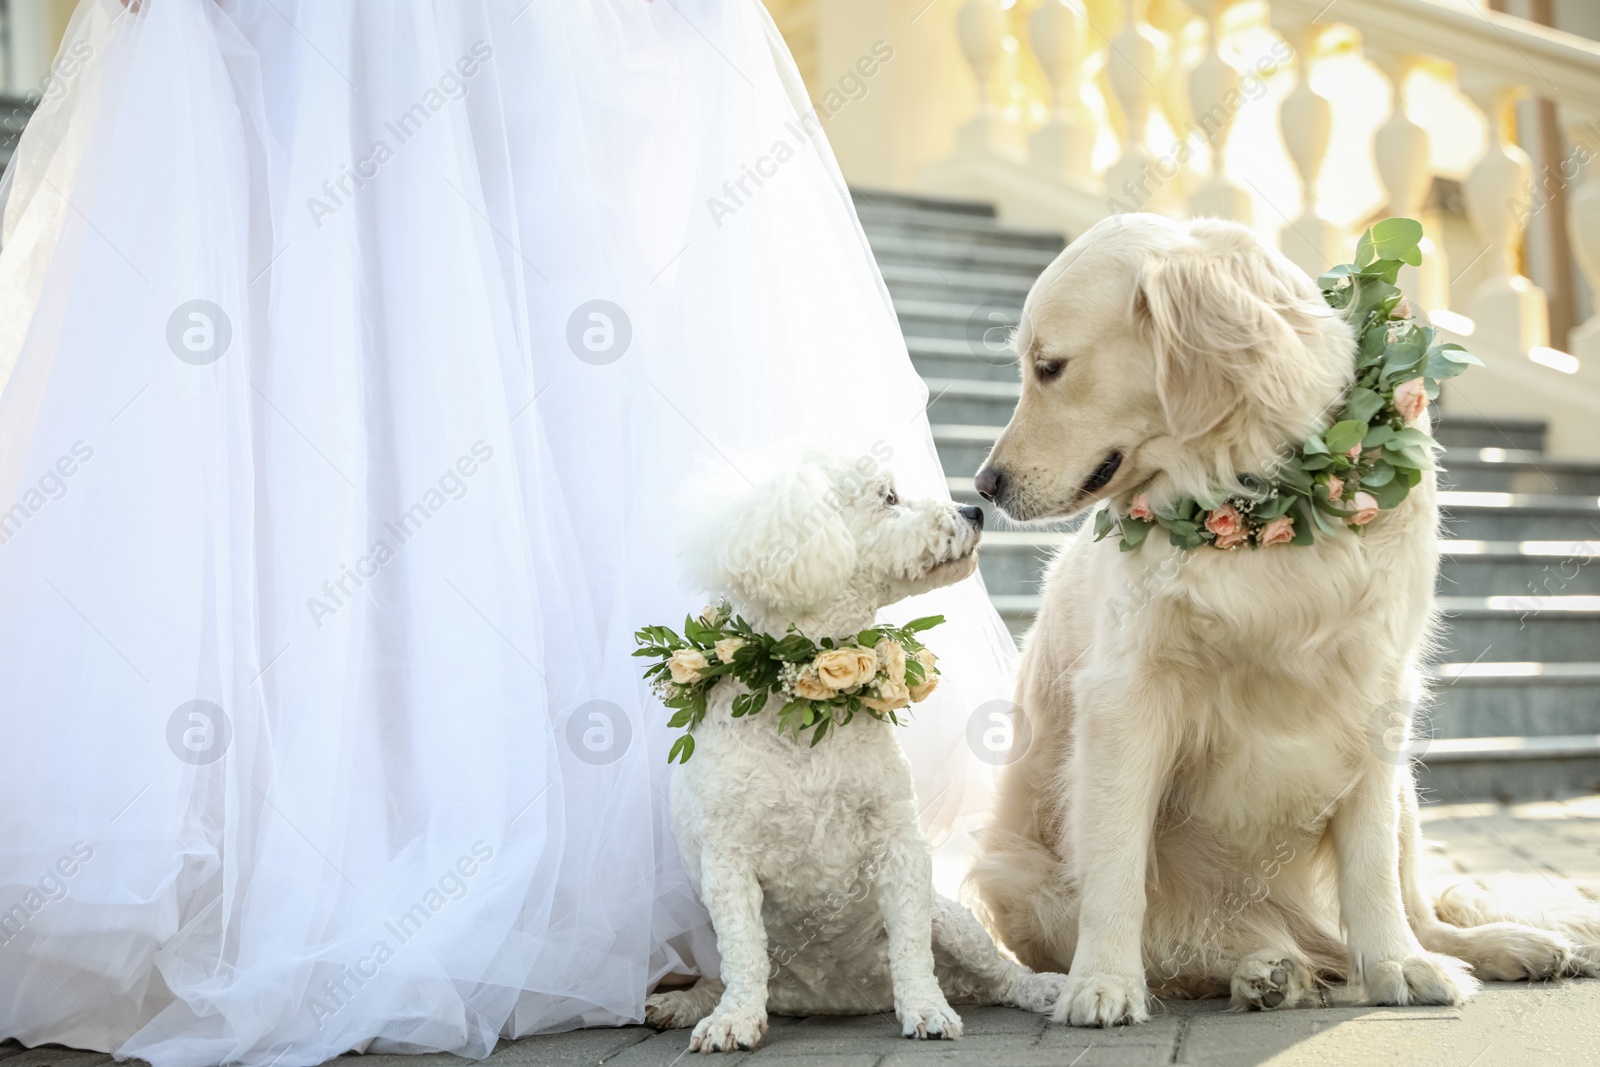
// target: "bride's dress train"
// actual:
[[354, 357]]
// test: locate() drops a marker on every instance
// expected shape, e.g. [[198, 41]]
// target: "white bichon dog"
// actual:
[[809, 857]]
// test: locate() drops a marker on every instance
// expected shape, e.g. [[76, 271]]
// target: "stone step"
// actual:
[[1506, 768], [911, 202], [1527, 698], [971, 401], [880, 220], [1504, 470], [1013, 562], [946, 255], [978, 350], [950, 318], [1545, 629], [926, 281], [1460, 431], [1518, 568], [1513, 516]]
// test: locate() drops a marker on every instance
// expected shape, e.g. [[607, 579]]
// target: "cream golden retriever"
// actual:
[[1208, 805]]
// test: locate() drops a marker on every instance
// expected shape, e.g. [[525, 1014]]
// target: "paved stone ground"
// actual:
[[1547, 848]]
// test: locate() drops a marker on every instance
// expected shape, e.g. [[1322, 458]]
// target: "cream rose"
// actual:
[[1278, 531], [1366, 510], [1140, 509], [892, 658], [930, 681], [1411, 399], [708, 614], [891, 695], [686, 665], [807, 687], [846, 668], [727, 647]]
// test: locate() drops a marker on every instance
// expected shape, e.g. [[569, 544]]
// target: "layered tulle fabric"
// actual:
[[355, 354]]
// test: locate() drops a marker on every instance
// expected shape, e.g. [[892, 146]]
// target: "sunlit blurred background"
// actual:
[[1476, 115]]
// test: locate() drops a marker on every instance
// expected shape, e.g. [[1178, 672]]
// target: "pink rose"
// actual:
[[1411, 399], [1140, 509], [1228, 525], [1278, 531], [1335, 490], [1366, 510], [1225, 522], [1354, 453], [1403, 309], [1232, 540]]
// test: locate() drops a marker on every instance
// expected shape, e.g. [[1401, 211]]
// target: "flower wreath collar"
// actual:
[[1370, 457], [817, 685]]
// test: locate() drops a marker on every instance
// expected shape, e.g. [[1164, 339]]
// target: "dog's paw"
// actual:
[[1102, 1000], [673, 1010], [1267, 980], [729, 1030], [1423, 978], [1037, 991], [928, 1016], [1510, 952]]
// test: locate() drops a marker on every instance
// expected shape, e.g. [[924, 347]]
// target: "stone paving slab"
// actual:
[[1547, 849]]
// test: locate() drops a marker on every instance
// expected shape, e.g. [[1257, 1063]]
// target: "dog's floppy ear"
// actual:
[[782, 545], [1228, 322]]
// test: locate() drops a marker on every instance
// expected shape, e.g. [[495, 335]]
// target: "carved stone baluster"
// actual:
[[1213, 91], [1310, 241], [1583, 229], [1134, 181], [981, 28], [1512, 313], [1063, 146], [1401, 147]]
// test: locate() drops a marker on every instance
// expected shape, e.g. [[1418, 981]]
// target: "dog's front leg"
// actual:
[[732, 894], [905, 896], [1123, 747], [1393, 966]]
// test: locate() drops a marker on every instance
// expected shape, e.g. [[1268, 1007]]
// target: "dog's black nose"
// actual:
[[989, 482], [973, 514]]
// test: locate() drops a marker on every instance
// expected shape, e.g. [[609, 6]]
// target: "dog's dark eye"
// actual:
[[891, 499], [1047, 369]]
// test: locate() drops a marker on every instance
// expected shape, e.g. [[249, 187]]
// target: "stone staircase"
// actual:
[[1516, 709]]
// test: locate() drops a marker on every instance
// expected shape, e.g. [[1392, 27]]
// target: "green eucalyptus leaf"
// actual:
[[1381, 474], [1390, 494], [1378, 435], [1397, 238], [1343, 436], [1362, 405]]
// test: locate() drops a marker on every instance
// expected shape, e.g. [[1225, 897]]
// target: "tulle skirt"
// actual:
[[355, 357]]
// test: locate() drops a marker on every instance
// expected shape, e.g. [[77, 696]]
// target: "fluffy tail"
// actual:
[[1027, 906], [1558, 934]]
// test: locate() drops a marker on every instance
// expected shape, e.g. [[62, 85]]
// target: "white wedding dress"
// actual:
[[355, 354]]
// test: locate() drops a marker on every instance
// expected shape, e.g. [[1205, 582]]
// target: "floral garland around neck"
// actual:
[[1372, 454], [820, 684]]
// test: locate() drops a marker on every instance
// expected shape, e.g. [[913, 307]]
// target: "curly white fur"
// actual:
[[1207, 806], [811, 860]]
